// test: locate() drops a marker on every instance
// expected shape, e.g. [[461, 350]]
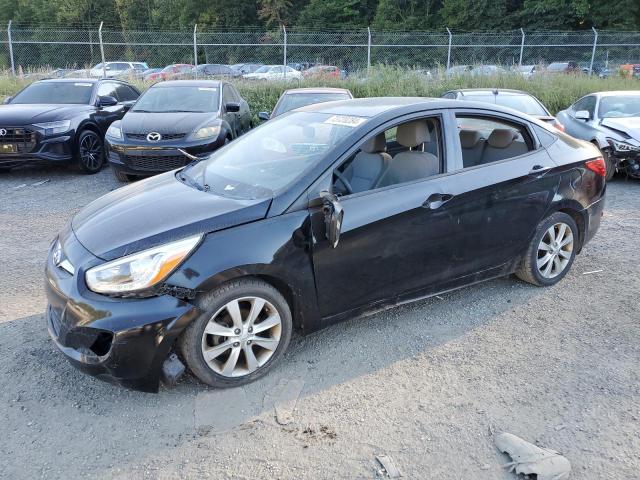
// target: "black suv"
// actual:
[[62, 120]]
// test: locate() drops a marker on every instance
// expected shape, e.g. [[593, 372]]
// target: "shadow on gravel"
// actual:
[[48, 401]]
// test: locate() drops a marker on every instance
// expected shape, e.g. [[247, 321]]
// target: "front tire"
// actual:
[[244, 330], [121, 176], [551, 251], [90, 154]]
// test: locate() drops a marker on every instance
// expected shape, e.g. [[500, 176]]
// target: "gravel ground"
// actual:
[[427, 384]]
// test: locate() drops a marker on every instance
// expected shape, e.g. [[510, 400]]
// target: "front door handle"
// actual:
[[436, 200]]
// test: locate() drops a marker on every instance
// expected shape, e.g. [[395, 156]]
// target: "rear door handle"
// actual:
[[538, 170], [436, 200]]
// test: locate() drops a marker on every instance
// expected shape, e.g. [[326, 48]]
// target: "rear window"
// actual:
[[56, 92]]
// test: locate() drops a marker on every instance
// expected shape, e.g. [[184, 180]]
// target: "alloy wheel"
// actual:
[[555, 250], [91, 151], [241, 336]]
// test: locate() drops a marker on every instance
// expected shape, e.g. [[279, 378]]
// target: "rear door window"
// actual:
[[485, 139]]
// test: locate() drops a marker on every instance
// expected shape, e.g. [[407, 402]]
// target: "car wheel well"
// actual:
[[286, 291], [579, 219], [89, 126]]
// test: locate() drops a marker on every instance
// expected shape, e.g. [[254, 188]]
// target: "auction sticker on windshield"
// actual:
[[345, 120], [83, 84]]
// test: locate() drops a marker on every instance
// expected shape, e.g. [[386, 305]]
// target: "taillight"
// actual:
[[558, 126], [598, 166]]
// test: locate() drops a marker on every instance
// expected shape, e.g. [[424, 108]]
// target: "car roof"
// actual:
[[74, 80], [295, 91], [507, 91], [615, 93], [374, 106], [187, 83]]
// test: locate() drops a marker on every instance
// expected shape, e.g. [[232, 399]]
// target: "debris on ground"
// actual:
[[389, 466], [530, 459], [18, 187], [592, 272], [42, 182]]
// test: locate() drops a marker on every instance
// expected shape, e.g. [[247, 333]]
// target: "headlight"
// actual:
[[206, 132], [620, 146], [114, 132], [141, 270], [52, 128]]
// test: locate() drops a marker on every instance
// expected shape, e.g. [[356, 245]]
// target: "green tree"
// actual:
[[336, 14], [407, 15]]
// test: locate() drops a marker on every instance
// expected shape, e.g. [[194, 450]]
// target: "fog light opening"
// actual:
[[102, 344]]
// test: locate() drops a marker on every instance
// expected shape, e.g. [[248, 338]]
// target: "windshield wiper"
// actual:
[[183, 111]]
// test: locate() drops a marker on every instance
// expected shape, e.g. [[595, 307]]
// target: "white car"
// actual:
[[274, 72], [113, 69]]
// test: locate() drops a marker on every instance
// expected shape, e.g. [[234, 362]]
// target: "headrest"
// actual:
[[412, 134], [376, 144], [469, 138], [501, 137]]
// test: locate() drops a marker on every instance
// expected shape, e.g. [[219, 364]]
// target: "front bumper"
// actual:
[[41, 150], [122, 341], [142, 158]]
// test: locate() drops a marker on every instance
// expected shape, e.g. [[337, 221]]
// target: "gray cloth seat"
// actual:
[[472, 145], [368, 165], [412, 164], [503, 143]]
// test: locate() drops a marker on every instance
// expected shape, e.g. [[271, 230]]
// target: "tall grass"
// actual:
[[555, 91]]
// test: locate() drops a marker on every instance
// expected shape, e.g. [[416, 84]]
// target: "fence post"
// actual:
[[195, 49], [13, 65], [521, 48], [104, 67], [368, 51], [284, 64], [593, 52], [449, 50]]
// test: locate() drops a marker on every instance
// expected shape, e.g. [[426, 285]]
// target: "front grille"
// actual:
[[165, 136], [23, 138], [156, 163]]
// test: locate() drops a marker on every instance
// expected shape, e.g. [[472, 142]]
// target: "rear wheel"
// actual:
[[244, 330], [610, 167], [551, 252], [121, 176], [90, 152]]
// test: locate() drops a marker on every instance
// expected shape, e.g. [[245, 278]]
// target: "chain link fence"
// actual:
[[24, 49]]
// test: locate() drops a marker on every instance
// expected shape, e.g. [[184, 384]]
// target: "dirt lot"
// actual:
[[425, 383]]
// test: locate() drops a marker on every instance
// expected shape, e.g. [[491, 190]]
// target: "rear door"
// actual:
[[500, 190]]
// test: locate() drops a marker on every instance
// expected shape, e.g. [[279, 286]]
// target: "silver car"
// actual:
[[611, 121]]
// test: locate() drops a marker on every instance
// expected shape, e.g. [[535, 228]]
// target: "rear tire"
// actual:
[[551, 252], [90, 156], [236, 352], [610, 168], [121, 176]]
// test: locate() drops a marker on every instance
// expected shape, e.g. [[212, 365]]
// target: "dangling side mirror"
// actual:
[[333, 215]]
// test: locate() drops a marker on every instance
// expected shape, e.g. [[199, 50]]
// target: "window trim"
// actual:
[[491, 114]]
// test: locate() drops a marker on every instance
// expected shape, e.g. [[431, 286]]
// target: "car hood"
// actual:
[[155, 211], [25, 114], [628, 125], [183, 122]]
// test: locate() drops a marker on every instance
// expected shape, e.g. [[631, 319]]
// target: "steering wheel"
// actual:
[[344, 181]]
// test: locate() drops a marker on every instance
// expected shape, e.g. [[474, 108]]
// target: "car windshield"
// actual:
[[619, 106], [56, 92], [178, 99], [522, 103], [266, 160], [297, 100]]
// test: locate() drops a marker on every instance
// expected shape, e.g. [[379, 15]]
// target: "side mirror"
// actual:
[[583, 115], [232, 107], [264, 116], [107, 101], [7, 99], [333, 215]]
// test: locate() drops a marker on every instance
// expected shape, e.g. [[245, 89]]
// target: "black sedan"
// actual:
[[316, 216], [62, 120], [174, 123]]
